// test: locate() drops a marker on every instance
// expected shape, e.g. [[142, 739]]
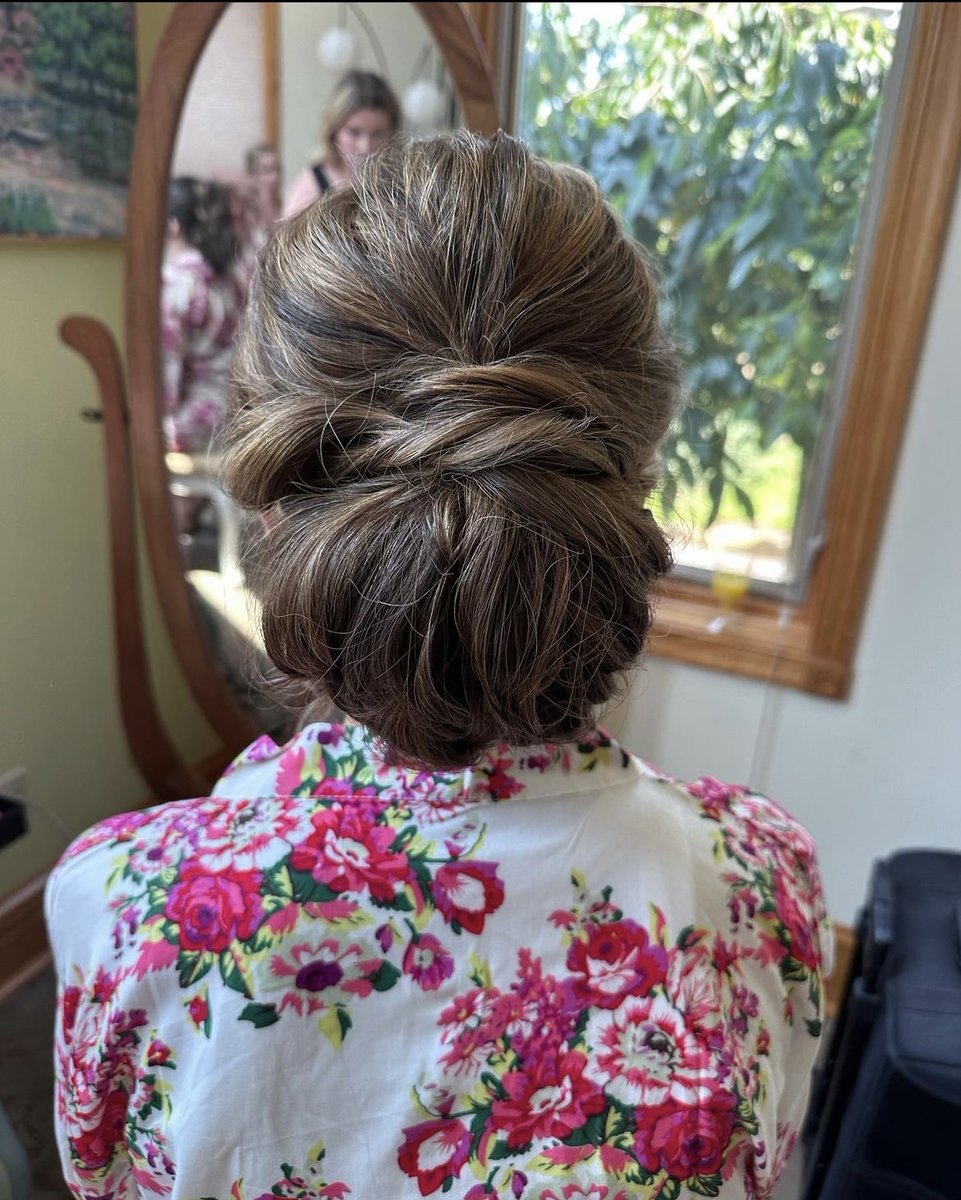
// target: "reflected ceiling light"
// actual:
[[336, 47], [422, 101]]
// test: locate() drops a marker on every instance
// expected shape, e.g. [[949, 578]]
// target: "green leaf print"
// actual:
[[304, 888], [403, 838], [705, 1185], [747, 1115], [401, 902], [277, 882], [231, 972], [689, 937], [260, 1015], [580, 1027], [593, 1129], [421, 873], [385, 977], [481, 972], [792, 970], [640, 1175], [192, 967], [503, 1150], [477, 1126], [494, 1085]]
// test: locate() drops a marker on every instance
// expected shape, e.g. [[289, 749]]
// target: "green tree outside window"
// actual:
[[736, 141]]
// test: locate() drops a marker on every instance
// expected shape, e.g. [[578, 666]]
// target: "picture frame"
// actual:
[[68, 109]]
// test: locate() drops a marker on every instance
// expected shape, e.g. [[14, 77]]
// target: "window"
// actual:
[[737, 141]]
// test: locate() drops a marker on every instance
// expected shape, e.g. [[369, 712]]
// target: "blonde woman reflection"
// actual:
[[258, 204], [362, 116], [463, 945]]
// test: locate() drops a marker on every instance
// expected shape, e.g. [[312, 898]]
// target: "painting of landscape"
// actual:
[[68, 106]]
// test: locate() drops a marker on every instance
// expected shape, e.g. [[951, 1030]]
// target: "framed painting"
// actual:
[[68, 106]]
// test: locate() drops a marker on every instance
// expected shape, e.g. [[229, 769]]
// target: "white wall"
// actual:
[[224, 113], [876, 772], [306, 85]]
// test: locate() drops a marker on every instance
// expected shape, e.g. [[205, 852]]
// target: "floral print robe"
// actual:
[[558, 975], [199, 313]]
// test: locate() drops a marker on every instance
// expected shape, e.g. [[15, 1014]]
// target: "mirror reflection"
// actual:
[[287, 99]]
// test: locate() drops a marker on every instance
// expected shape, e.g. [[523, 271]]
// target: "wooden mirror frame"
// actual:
[[178, 53]]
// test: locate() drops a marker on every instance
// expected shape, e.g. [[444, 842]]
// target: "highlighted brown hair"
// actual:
[[451, 388]]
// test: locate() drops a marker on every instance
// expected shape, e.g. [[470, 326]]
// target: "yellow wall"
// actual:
[[59, 716]]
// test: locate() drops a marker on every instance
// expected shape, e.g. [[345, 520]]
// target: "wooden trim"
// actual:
[[513, 30], [489, 19], [761, 640], [270, 33], [902, 277], [23, 936], [467, 61], [836, 984], [177, 54], [162, 768], [55, 239], [816, 652]]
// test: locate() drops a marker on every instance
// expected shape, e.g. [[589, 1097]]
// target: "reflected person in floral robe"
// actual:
[[202, 296]]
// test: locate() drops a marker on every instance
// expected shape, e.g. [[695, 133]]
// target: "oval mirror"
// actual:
[[247, 117]]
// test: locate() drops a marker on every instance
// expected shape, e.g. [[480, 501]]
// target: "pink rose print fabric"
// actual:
[[557, 974], [199, 314]]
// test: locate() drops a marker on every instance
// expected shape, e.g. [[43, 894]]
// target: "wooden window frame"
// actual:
[[811, 645]]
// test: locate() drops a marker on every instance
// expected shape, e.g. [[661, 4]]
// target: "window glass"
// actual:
[[736, 140]]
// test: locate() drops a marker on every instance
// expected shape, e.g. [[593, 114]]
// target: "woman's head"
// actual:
[[362, 116], [200, 212], [262, 163], [452, 385]]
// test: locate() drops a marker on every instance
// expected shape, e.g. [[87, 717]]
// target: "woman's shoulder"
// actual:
[[302, 191], [761, 863], [747, 821]]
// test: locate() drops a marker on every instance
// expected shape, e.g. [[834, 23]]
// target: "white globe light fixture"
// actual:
[[422, 101], [336, 47]]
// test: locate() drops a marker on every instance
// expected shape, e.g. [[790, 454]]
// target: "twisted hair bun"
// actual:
[[451, 388]]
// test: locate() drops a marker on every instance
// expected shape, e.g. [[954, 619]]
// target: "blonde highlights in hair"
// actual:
[[356, 91], [452, 384]]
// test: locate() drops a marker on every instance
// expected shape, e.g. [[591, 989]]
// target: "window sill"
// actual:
[[756, 641], [815, 651]]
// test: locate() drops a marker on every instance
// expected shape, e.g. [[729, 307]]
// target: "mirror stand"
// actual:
[[166, 774]]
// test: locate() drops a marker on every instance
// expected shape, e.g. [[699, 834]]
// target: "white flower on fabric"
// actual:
[[252, 835], [645, 1054]]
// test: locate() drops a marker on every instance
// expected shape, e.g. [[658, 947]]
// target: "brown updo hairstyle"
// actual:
[[357, 90], [452, 382]]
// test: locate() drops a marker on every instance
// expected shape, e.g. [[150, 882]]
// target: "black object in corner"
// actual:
[[885, 1116], [13, 819]]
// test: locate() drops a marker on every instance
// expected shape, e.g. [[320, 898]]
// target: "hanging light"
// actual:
[[336, 47], [422, 101]]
